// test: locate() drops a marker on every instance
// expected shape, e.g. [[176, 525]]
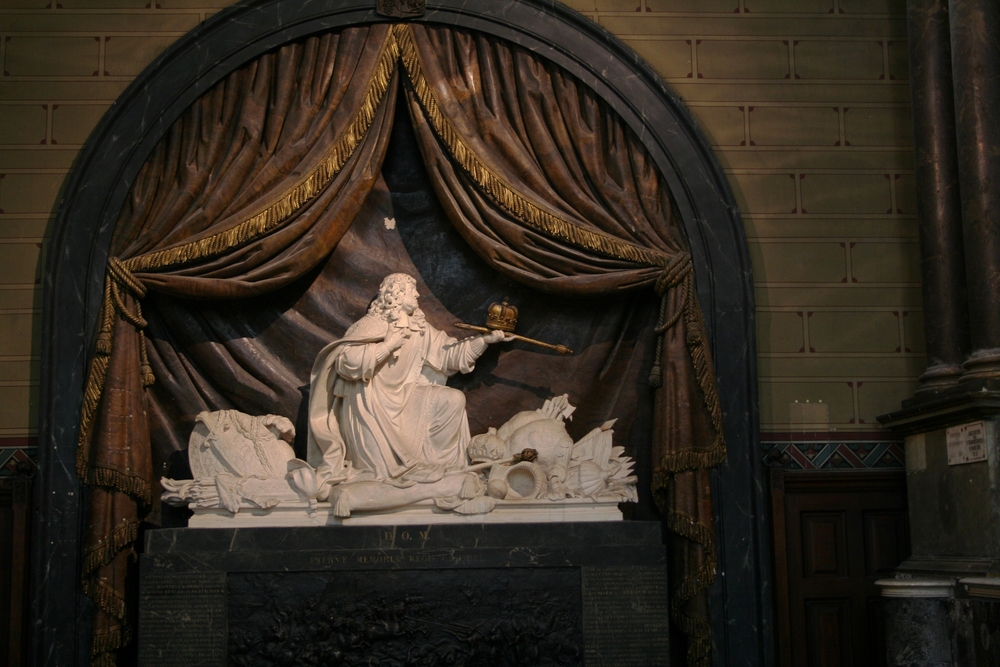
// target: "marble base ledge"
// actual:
[[423, 513], [917, 588], [928, 411], [562, 594]]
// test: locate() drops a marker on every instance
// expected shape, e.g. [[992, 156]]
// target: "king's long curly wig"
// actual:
[[390, 295]]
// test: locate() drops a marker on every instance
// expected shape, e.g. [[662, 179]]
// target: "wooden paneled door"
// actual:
[[835, 533], [14, 512]]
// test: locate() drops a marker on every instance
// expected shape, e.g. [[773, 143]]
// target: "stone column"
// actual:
[[975, 52], [939, 208]]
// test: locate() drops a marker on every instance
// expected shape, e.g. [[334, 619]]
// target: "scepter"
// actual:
[[503, 317]]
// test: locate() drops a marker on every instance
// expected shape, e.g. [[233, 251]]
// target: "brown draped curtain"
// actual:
[[251, 188], [255, 185], [551, 188]]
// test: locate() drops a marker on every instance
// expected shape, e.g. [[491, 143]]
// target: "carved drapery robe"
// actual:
[[382, 415]]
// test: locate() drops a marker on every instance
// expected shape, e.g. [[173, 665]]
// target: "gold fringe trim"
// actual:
[[276, 212], [679, 274], [104, 551], [133, 485], [695, 628], [96, 375], [106, 599], [120, 276], [699, 637], [502, 192], [104, 660], [113, 639], [677, 271], [120, 273]]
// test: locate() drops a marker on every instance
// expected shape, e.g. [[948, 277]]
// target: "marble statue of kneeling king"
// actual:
[[386, 436]]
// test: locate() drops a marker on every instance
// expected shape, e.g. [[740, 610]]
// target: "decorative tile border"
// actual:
[[833, 453], [15, 450]]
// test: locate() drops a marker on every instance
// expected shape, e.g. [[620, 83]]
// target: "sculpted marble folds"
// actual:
[[379, 408], [389, 442]]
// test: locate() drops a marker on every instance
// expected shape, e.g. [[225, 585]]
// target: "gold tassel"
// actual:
[[107, 320], [146, 373], [145, 370], [656, 372]]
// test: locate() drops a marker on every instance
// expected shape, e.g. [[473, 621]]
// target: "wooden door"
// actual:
[[835, 533], [14, 512]]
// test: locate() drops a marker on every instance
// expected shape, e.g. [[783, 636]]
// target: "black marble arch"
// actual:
[[94, 193]]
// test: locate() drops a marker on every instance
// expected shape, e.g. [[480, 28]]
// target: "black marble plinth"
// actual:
[[918, 632], [959, 631], [564, 595]]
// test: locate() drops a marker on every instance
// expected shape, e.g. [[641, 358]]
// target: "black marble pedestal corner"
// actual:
[[567, 595]]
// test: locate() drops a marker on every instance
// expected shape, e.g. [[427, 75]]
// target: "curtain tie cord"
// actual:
[[119, 279], [677, 272]]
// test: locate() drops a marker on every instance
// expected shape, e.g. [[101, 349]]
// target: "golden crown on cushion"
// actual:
[[501, 316]]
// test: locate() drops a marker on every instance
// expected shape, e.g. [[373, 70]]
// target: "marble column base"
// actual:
[[939, 377], [982, 364]]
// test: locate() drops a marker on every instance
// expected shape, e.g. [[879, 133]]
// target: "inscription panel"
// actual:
[[966, 443], [625, 616], [182, 620]]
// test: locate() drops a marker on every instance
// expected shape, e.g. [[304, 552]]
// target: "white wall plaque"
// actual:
[[967, 443]]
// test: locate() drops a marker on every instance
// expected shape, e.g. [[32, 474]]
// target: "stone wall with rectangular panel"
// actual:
[[805, 103]]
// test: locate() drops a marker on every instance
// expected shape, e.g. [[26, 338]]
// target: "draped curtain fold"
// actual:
[[548, 185], [255, 185], [251, 188]]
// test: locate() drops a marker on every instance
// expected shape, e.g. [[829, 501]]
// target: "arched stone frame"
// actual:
[[95, 191]]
